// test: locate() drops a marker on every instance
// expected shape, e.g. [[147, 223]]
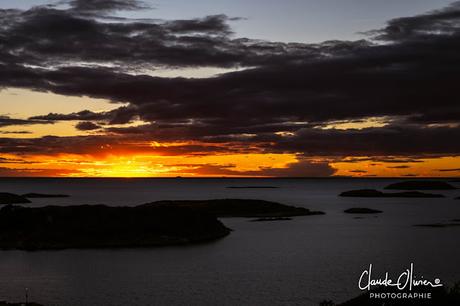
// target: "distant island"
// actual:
[[372, 193], [268, 219], [238, 208], [359, 210]]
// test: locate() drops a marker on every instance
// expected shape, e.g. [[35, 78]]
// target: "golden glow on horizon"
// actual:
[[426, 167], [144, 165], [138, 165]]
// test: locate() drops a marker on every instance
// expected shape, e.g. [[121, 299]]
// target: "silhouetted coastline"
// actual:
[[99, 226], [11, 198], [247, 208], [154, 224]]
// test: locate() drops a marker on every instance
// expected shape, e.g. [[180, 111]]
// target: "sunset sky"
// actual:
[[312, 88]]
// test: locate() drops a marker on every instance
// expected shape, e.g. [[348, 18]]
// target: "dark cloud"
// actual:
[[103, 145], [281, 103], [382, 159], [310, 142], [303, 168], [4, 160], [86, 126], [15, 132], [399, 167], [358, 171], [105, 5], [215, 24], [50, 145], [449, 170], [391, 140], [399, 160], [47, 37], [442, 21], [7, 121], [299, 169], [83, 115]]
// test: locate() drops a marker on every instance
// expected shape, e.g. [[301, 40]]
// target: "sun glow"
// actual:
[[213, 165], [140, 165]]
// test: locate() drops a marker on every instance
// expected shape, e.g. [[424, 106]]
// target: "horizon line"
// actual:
[[232, 177]]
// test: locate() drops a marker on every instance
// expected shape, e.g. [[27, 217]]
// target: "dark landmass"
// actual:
[[238, 208], [271, 219], [44, 195], [421, 185], [11, 198], [372, 193], [252, 187], [437, 225], [359, 210], [99, 226], [455, 220]]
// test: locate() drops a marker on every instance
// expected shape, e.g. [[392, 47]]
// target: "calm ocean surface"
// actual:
[[298, 262]]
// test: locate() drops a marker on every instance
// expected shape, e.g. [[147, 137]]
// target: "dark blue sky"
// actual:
[[288, 20]]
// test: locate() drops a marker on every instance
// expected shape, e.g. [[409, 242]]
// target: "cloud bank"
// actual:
[[283, 99]]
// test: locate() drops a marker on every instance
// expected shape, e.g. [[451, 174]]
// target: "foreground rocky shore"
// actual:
[[99, 226], [152, 224]]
